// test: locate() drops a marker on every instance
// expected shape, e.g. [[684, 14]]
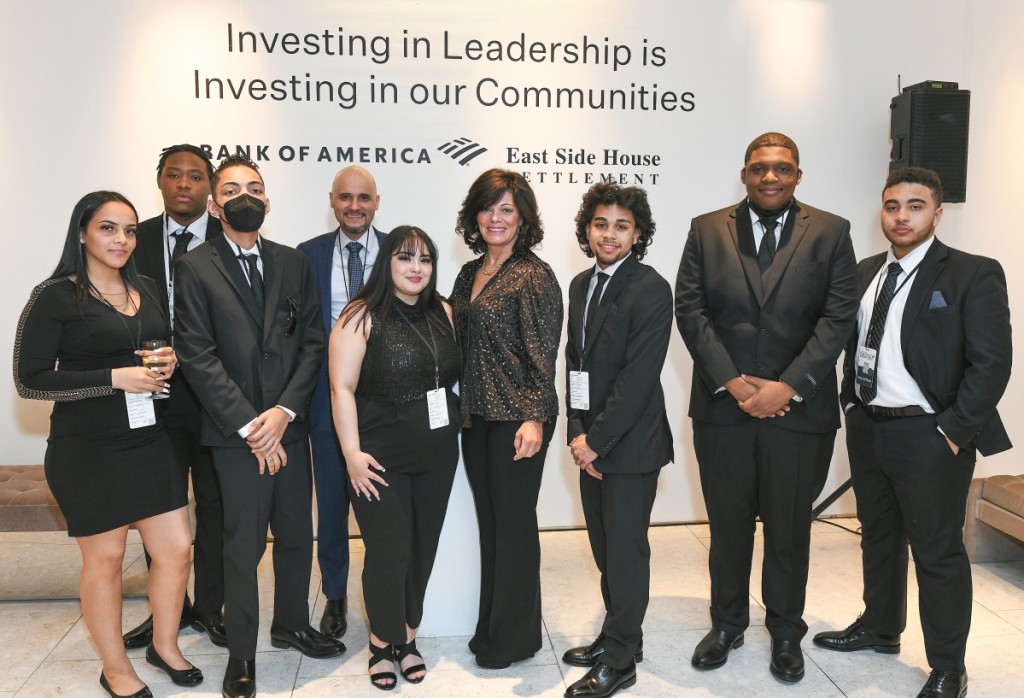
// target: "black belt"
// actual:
[[909, 411]]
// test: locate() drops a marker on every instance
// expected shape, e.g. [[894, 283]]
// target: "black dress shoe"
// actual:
[[602, 681], [857, 637], [787, 661], [308, 641], [588, 656], [142, 635], [143, 692], [239, 679], [181, 677], [213, 625], [713, 650], [333, 623], [949, 683]]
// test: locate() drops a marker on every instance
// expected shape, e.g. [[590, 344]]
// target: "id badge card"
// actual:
[[579, 390], [867, 360], [140, 410], [437, 408]]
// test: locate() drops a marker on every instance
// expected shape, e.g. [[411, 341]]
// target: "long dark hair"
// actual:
[[72, 259], [379, 292]]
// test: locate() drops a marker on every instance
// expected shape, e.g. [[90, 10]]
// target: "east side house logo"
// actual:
[[562, 165]]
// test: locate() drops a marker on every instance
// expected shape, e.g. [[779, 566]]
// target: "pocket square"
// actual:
[[937, 301]]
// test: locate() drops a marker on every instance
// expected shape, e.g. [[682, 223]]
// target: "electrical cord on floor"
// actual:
[[831, 522]]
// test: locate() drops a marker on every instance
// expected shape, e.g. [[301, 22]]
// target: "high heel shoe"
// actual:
[[409, 649], [182, 677], [380, 654], [143, 692]]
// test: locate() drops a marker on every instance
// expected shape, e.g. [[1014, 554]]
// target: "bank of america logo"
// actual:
[[462, 150]]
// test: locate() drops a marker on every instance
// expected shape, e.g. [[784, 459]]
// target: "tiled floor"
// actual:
[[46, 650]]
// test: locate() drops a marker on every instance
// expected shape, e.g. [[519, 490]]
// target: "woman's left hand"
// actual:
[[168, 361], [529, 439]]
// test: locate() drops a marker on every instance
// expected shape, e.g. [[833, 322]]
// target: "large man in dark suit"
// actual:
[[342, 261], [183, 175], [620, 323], [250, 341], [923, 375], [765, 300]]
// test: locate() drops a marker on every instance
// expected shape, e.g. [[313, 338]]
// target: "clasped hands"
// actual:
[[584, 456], [264, 440], [760, 397]]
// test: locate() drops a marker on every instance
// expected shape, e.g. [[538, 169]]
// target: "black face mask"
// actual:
[[245, 213]]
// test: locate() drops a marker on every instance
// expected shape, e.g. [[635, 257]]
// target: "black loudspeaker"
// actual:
[[929, 129]]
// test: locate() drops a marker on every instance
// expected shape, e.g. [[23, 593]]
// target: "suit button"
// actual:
[[763, 332], [760, 367], [266, 356]]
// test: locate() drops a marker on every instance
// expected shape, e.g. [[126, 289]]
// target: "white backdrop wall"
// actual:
[[93, 90]]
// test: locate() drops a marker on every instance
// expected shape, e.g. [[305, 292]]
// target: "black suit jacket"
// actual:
[[793, 330], [956, 342], [238, 361], [626, 425]]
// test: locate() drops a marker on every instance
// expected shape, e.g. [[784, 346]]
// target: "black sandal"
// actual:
[[403, 651], [380, 654]]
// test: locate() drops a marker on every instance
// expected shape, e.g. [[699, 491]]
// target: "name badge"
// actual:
[[867, 360], [437, 408], [140, 410], [579, 390]]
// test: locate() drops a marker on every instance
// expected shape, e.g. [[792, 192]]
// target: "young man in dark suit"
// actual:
[[183, 175], [620, 323], [922, 378], [766, 299], [342, 262], [250, 341]]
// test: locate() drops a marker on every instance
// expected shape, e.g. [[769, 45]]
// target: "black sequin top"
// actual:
[[399, 366], [510, 335]]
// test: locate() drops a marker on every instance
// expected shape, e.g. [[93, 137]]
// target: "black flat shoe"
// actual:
[[857, 637], [213, 625], [142, 635], [407, 650], [713, 651], [602, 681], [239, 679], [308, 641], [334, 623], [588, 656], [787, 661], [383, 654], [181, 677], [143, 692]]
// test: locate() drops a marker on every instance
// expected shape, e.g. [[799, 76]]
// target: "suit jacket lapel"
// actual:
[[618, 282], [787, 248], [272, 273], [324, 271], [577, 303], [225, 259], [931, 266], [742, 235]]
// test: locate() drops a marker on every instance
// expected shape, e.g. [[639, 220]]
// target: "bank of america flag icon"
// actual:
[[462, 150]]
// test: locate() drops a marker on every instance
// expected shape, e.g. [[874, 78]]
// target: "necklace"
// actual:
[[494, 268]]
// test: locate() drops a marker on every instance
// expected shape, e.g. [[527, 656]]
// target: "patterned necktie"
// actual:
[[355, 269], [255, 278], [877, 327], [181, 240], [766, 252], [595, 300]]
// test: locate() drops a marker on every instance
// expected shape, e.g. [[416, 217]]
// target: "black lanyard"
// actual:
[[432, 346]]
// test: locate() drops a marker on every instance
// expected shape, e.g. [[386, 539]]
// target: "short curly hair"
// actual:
[[484, 193], [232, 161], [772, 139], [633, 199]]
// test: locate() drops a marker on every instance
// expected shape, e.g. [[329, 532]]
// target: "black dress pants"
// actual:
[[757, 469], [505, 494], [910, 487]]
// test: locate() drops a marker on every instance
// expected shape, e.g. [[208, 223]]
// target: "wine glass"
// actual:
[[153, 361]]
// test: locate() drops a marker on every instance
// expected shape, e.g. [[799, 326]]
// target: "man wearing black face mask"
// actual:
[[250, 341]]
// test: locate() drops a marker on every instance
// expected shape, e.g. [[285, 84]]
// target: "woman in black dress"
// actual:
[[109, 460], [393, 363], [508, 315]]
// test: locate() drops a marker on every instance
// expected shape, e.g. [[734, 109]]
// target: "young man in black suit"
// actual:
[[620, 323], [183, 175], [250, 341], [922, 378], [766, 299]]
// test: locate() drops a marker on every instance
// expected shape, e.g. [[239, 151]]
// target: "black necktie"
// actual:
[[355, 269], [766, 252], [255, 278], [181, 240], [877, 327], [595, 300]]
